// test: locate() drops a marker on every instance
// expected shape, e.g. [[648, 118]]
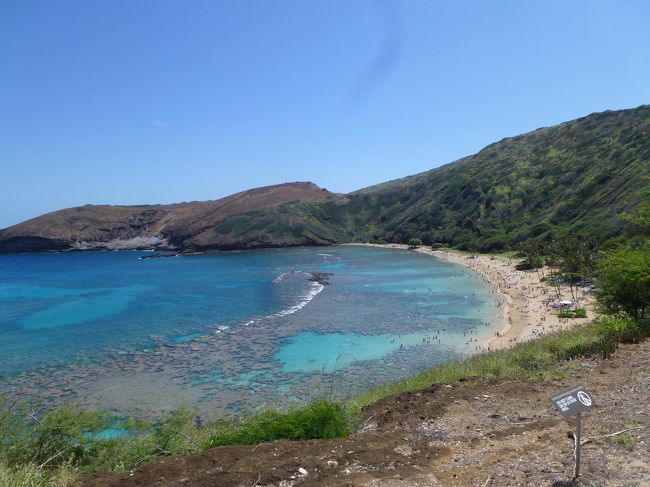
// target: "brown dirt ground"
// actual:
[[470, 434]]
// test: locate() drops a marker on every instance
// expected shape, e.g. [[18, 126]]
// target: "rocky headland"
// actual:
[[185, 227]]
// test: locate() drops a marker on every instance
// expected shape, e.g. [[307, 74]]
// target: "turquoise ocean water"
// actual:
[[233, 332]]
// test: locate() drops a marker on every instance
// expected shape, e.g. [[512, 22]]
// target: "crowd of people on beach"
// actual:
[[530, 309]]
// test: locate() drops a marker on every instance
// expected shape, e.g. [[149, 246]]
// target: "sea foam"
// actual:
[[306, 298]]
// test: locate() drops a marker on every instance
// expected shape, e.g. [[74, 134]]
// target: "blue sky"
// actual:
[[129, 102]]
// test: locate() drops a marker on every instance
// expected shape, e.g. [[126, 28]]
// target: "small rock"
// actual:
[[302, 471], [405, 450], [332, 463]]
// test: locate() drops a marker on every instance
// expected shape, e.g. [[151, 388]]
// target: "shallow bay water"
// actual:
[[231, 332]]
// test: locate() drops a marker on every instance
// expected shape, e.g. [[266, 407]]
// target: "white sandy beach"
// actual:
[[527, 302]]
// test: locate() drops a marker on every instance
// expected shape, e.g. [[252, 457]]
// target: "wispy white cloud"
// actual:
[[159, 123]]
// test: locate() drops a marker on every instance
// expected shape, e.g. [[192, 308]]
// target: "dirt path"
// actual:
[[485, 434]]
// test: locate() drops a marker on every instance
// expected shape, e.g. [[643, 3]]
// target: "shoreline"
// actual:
[[526, 310]]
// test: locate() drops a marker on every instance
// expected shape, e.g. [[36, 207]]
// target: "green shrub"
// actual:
[[414, 242], [524, 266], [603, 347], [619, 325], [60, 437], [627, 331], [321, 419], [624, 282], [625, 439], [578, 313], [178, 434], [530, 361], [605, 339]]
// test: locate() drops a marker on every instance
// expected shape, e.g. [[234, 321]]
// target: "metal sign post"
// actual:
[[576, 471], [572, 402]]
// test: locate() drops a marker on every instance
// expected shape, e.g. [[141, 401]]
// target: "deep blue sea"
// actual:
[[231, 332]]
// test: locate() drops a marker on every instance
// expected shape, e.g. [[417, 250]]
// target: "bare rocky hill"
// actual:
[[184, 226]]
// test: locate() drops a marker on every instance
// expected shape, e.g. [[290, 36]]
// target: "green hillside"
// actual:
[[577, 177]]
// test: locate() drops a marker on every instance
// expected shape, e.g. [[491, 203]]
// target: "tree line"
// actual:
[[620, 277]]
